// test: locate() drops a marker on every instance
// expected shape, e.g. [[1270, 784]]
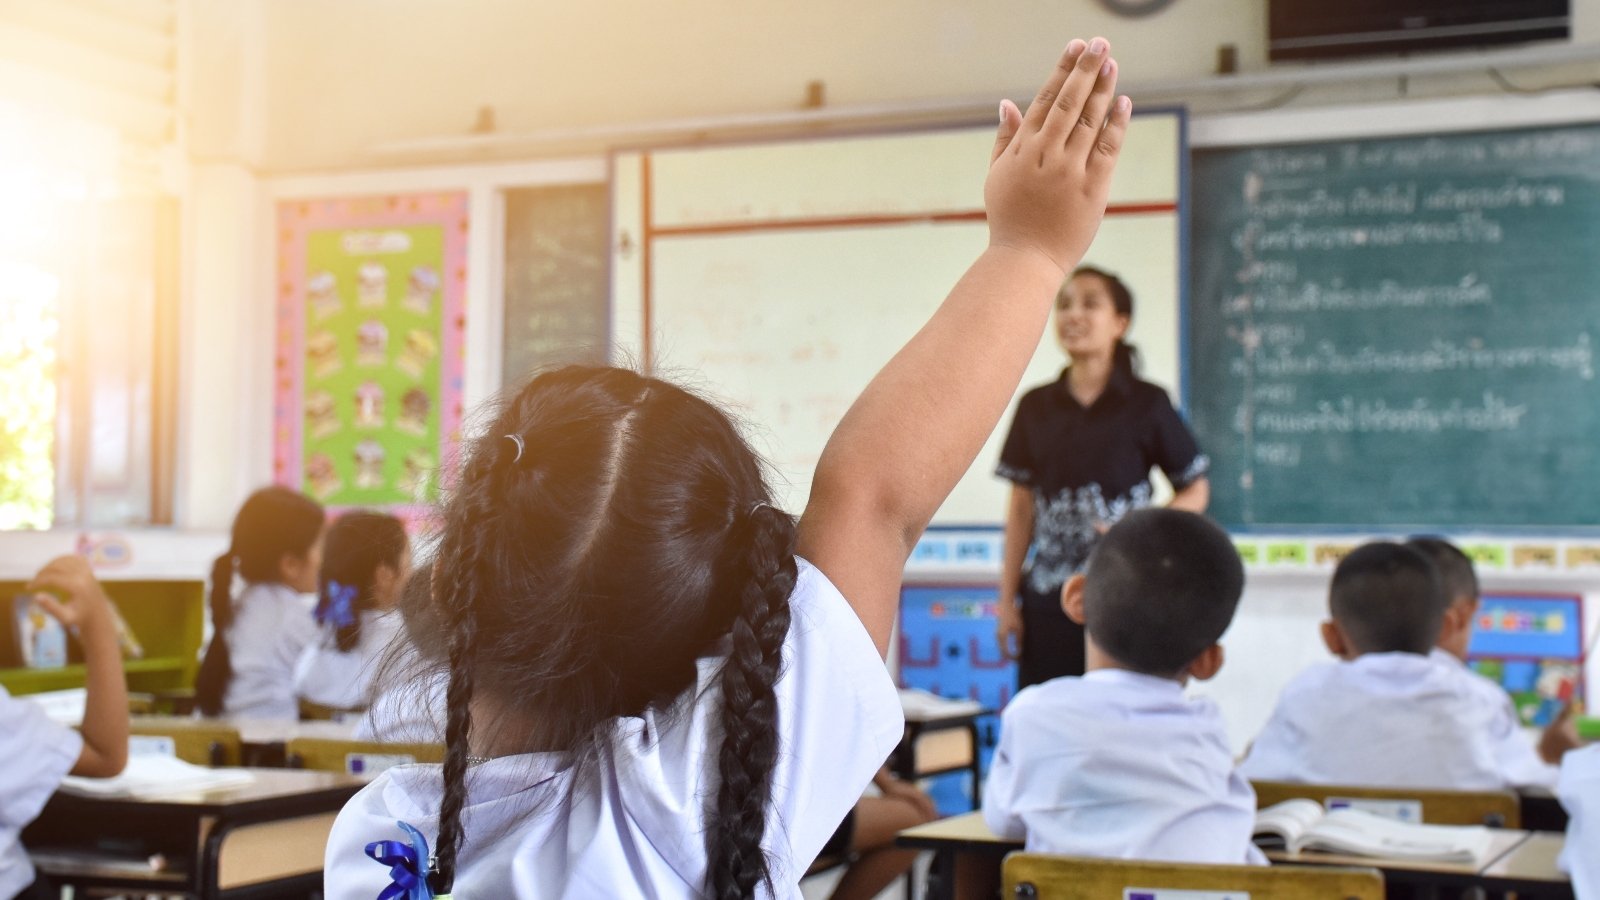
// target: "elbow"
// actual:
[[102, 763]]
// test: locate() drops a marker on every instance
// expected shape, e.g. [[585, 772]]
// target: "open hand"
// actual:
[[1050, 175]]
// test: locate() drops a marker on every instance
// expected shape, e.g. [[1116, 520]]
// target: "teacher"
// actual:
[[1079, 456]]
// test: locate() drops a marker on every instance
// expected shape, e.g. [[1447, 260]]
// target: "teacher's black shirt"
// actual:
[[1091, 465]]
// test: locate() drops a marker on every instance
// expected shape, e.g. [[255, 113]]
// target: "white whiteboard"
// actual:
[[779, 277]]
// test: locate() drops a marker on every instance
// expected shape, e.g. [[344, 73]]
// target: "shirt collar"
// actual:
[[1132, 679], [1118, 385]]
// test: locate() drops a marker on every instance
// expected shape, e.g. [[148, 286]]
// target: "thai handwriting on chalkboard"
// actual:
[[1439, 356]]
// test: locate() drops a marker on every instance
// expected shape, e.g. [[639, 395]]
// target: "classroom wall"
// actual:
[[293, 98]]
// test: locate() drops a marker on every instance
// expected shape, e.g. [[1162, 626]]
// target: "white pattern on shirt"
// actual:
[[636, 828], [1118, 764]]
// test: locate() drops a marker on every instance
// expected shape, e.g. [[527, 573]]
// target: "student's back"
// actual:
[[366, 558], [1118, 762], [258, 636], [1390, 712], [1579, 790]]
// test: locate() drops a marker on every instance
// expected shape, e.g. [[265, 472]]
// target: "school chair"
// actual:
[[141, 704], [356, 757], [175, 702], [193, 740], [1039, 876], [1497, 809]]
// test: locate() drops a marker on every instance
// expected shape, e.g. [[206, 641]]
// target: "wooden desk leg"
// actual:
[[977, 876], [977, 770]]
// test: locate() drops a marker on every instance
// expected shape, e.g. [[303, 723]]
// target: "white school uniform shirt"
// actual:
[[636, 827], [1516, 754], [1579, 790], [272, 625], [1122, 765], [1387, 720], [406, 711], [328, 676], [38, 753]]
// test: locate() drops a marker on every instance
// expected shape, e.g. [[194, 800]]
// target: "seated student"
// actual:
[[1388, 713], [365, 559], [248, 669], [38, 753], [1118, 762], [1579, 790], [408, 702], [1520, 763], [868, 833]]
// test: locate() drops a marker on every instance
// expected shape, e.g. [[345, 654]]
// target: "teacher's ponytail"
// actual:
[[1125, 357]]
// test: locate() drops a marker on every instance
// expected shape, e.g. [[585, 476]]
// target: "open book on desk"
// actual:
[[1303, 824], [153, 775]]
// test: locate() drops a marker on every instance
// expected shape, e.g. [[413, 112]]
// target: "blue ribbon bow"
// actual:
[[408, 866], [338, 605]]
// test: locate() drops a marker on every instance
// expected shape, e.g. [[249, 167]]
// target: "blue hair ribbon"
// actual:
[[408, 865], [338, 606]]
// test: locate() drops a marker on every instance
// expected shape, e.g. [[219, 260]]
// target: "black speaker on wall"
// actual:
[[1311, 29]]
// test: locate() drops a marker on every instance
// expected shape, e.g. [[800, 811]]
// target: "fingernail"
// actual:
[[1106, 67], [1124, 104], [1098, 45], [1075, 46], [1002, 112]]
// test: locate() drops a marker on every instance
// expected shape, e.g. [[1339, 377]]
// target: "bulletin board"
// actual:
[[780, 276], [371, 300], [1531, 644]]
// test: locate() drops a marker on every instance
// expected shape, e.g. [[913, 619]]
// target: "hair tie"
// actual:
[[757, 506], [516, 439], [339, 610]]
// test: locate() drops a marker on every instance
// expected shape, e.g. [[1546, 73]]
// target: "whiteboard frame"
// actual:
[[1181, 204]]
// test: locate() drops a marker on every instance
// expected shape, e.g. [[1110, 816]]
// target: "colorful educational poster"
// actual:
[[371, 299], [1532, 644]]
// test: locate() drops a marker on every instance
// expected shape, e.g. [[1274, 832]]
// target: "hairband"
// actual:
[[516, 439], [756, 507]]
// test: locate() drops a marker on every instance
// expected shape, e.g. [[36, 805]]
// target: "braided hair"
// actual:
[[274, 522], [608, 530]]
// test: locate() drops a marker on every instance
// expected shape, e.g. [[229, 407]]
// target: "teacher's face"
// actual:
[[1087, 321]]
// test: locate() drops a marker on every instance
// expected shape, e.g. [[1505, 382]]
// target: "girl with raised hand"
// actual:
[[257, 637], [658, 684], [366, 557]]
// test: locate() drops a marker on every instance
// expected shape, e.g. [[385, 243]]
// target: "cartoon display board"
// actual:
[[947, 647], [1532, 644], [371, 298]]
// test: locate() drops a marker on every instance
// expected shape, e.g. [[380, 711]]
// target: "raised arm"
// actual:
[[915, 430], [87, 611]]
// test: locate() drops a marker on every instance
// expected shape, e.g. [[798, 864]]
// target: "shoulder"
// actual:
[[1150, 396], [1038, 400]]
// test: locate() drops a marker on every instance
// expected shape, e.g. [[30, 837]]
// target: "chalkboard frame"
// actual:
[[1378, 121]]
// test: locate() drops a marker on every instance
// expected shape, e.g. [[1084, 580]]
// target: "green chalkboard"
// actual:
[[1400, 332], [556, 297]]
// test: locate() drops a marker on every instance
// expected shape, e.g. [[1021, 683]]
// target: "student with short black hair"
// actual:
[[1118, 762], [1390, 712], [1520, 762]]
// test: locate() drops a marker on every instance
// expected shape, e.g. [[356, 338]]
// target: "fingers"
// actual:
[[55, 609], [1106, 148], [1042, 103], [1091, 121], [1010, 121], [1063, 115]]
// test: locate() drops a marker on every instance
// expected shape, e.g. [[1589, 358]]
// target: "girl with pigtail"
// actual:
[[257, 637], [366, 557], [659, 685]]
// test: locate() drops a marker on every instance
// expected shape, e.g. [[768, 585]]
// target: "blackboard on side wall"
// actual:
[[556, 265], [1399, 332]]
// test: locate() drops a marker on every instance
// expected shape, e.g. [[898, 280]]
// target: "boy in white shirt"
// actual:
[[1520, 763], [1390, 712], [1118, 762], [1579, 790]]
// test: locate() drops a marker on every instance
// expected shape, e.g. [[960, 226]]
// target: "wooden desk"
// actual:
[[938, 743], [1519, 861], [255, 840], [263, 740], [1530, 868]]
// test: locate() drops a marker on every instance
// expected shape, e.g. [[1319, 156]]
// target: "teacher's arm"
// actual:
[[1194, 497], [1018, 535]]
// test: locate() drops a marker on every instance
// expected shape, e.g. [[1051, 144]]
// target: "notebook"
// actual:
[[152, 775], [1303, 824]]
